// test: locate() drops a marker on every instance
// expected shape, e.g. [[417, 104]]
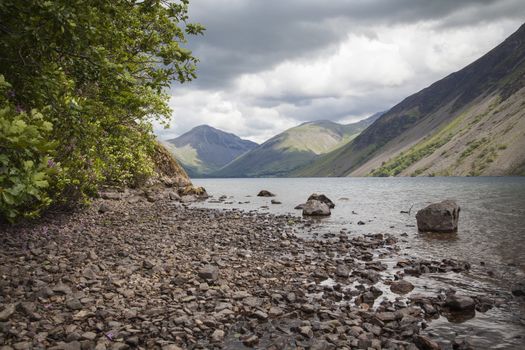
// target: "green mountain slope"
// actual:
[[292, 149], [204, 149], [469, 123]]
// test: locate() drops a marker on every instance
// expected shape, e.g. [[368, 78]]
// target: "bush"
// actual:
[[26, 163]]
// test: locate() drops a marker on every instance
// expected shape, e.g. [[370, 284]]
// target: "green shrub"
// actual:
[[26, 163]]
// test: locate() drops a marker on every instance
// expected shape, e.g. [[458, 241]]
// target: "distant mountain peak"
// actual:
[[204, 149]]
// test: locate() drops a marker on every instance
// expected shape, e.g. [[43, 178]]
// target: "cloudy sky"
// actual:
[[267, 65]]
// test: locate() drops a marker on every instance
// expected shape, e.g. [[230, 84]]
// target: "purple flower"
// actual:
[[11, 93], [109, 335], [51, 163], [19, 109]]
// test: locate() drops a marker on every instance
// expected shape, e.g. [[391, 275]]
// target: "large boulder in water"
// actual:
[[265, 193], [316, 208], [439, 217], [322, 198]]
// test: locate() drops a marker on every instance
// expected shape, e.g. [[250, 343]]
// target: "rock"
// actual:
[[322, 198], [316, 208], [306, 331], [74, 304], [273, 201], [241, 294], [265, 193], [89, 335], [460, 303], [425, 343], [299, 206], [8, 311], [147, 264], [275, 311], [260, 315], [198, 192], [62, 288], [74, 345], [439, 217], [360, 222], [217, 336], [401, 287], [111, 195], [171, 347], [250, 340], [103, 208], [24, 345], [342, 271], [209, 272], [174, 196]]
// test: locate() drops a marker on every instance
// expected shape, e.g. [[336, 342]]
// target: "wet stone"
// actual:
[[401, 287]]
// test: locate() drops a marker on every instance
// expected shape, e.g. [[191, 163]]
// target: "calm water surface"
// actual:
[[491, 234]]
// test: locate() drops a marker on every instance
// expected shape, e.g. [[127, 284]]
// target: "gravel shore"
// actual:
[[148, 272]]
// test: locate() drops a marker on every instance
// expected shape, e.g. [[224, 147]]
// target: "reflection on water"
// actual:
[[491, 234]]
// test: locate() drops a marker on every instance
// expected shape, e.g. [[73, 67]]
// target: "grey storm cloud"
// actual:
[[251, 35], [266, 65]]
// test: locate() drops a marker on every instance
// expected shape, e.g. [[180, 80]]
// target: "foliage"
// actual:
[[98, 72], [26, 166], [403, 161]]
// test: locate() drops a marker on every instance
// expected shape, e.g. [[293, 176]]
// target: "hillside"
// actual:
[[205, 149], [293, 148], [470, 123]]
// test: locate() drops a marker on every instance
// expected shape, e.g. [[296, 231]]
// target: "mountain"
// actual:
[[205, 149], [472, 122], [293, 149]]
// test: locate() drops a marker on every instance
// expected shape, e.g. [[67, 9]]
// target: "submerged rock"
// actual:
[[439, 217], [265, 193], [460, 303], [316, 208], [299, 206], [322, 198]]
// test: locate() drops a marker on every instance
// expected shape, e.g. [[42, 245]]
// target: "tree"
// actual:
[[96, 72]]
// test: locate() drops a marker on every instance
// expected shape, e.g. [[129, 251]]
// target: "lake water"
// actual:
[[491, 233]]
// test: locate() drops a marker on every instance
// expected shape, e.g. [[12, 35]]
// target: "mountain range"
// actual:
[[293, 149], [470, 123]]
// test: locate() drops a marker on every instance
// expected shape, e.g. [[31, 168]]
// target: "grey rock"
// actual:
[[217, 336], [342, 271], [265, 193], [209, 272], [104, 208], [8, 311], [306, 331], [425, 343], [401, 287], [322, 198], [316, 208], [439, 217], [460, 303], [250, 340], [74, 304]]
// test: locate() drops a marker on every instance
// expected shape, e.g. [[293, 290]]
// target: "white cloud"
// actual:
[[371, 69]]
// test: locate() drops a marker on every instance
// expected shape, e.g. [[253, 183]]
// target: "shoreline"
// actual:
[[137, 272]]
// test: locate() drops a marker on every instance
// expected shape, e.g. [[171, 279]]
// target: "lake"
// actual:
[[491, 233]]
